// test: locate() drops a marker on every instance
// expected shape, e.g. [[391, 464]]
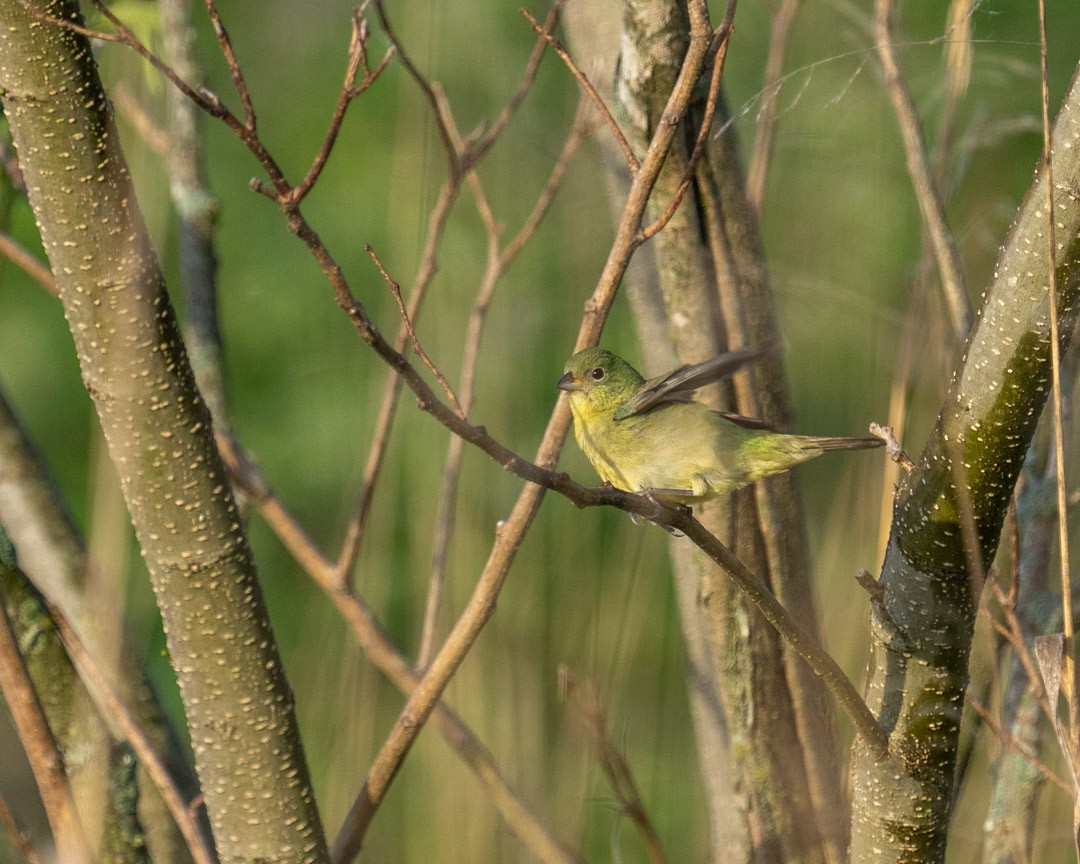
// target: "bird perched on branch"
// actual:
[[652, 437]]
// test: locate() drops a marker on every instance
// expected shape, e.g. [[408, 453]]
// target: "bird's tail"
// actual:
[[825, 444]]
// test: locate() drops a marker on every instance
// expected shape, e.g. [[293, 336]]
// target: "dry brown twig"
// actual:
[[587, 85], [721, 37], [780, 29], [497, 262], [350, 90], [28, 263], [1013, 633], [461, 155], [146, 127], [950, 269], [892, 447], [1069, 669], [1007, 740], [395, 289], [381, 652], [40, 747], [123, 722], [19, 838], [589, 708]]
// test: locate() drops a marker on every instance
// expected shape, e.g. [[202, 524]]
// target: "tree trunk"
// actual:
[[948, 515], [238, 703]]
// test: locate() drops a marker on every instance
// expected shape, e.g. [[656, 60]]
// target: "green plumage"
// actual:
[[650, 436]]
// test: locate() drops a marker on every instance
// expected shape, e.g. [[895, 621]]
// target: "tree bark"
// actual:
[[947, 519], [238, 703]]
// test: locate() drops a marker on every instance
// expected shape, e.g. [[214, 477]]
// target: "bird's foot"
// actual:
[[651, 495]]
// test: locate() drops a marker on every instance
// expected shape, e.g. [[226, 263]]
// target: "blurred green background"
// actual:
[[589, 589]]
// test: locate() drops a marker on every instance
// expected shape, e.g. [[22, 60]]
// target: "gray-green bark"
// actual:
[[1011, 814], [960, 489], [238, 704]]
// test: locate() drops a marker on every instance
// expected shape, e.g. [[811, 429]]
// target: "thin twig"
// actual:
[[395, 289], [1013, 633], [28, 263], [1069, 669], [723, 33], [779, 32], [511, 531], [586, 85], [950, 269], [123, 721], [350, 90], [461, 155], [892, 446], [41, 749], [146, 127], [1009, 741], [442, 122], [225, 44], [484, 143], [380, 439], [589, 707], [381, 652], [9, 163], [497, 262], [19, 838]]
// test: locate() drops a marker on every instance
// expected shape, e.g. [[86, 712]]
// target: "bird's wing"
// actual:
[[746, 422], [679, 384]]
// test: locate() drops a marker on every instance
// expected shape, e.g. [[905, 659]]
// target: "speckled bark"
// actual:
[[1011, 823], [918, 670], [239, 706]]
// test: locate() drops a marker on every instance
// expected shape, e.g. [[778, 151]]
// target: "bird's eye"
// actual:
[[597, 373]]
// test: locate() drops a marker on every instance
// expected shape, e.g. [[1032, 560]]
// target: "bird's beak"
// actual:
[[569, 383]]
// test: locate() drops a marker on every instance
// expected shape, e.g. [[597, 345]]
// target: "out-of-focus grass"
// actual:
[[588, 589]]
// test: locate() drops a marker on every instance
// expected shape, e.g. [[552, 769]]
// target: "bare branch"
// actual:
[[782, 20], [350, 90], [950, 268], [18, 837], [590, 710], [1069, 668], [417, 347], [121, 719], [40, 746], [225, 43], [723, 34], [151, 132], [1007, 740], [28, 263], [442, 123], [497, 264], [354, 532], [892, 446], [485, 142], [381, 652], [586, 85]]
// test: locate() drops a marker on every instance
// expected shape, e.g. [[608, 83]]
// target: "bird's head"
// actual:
[[598, 381]]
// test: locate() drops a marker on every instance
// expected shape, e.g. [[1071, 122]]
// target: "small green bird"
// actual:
[[651, 437]]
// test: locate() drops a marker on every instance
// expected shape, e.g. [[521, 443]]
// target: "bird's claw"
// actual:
[[650, 496]]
